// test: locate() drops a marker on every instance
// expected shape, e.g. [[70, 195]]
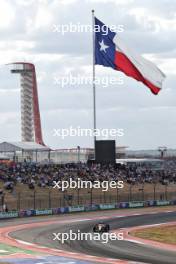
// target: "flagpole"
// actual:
[[93, 79]]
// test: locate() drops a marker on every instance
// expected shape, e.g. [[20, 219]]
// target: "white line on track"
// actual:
[[24, 242], [134, 241]]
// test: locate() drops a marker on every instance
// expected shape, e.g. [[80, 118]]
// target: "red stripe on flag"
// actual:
[[125, 65]]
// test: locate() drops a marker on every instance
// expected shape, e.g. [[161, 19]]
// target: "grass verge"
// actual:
[[164, 234]]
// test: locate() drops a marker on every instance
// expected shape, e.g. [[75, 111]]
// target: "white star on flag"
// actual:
[[103, 47]]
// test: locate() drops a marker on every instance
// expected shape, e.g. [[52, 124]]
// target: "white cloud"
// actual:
[[169, 66], [9, 91], [7, 14], [43, 18], [65, 2], [117, 2], [24, 2], [150, 20]]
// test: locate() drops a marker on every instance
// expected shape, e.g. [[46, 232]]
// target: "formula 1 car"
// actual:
[[101, 228]]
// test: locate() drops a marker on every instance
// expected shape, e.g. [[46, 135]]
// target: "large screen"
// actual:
[[105, 151]]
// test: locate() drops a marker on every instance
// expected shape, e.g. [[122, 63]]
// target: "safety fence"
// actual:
[[84, 208], [39, 198]]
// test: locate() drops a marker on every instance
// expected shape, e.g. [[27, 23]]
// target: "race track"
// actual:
[[126, 250]]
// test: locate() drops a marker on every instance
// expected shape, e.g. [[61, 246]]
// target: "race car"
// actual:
[[101, 228]]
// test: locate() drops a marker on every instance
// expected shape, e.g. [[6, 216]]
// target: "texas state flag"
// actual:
[[110, 51]]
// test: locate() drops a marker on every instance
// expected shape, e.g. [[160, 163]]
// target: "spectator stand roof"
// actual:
[[3, 157], [135, 160], [22, 146]]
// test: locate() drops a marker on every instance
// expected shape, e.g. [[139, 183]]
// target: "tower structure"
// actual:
[[30, 113]]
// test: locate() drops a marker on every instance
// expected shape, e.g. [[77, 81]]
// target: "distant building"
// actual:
[[31, 130], [151, 153]]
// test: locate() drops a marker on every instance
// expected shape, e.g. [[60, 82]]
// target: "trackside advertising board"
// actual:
[[82, 208], [107, 206], [4, 215], [162, 202], [76, 208], [136, 204], [92, 207], [44, 212]]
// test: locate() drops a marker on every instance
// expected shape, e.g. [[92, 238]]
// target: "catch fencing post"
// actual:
[[78, 190], [154, 192], [117, 198], [49, 199], [130, 192], [19, 201], [34, 201], [166, 191]]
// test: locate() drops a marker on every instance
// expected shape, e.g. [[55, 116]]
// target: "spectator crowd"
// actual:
[[43, 175]]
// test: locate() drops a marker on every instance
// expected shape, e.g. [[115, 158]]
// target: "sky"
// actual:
[[28, 33]]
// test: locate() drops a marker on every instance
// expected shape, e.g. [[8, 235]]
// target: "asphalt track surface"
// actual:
[[113, 249]]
